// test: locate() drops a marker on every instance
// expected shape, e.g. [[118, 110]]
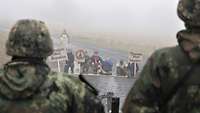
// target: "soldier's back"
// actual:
[[60, 93], [154, 90]]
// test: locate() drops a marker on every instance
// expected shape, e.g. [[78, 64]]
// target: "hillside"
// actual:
[[117, 44]]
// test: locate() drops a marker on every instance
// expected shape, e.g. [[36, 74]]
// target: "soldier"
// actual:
[[27, 84], [170, 81]]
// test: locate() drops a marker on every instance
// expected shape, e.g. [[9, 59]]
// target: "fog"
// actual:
[[150, 21]]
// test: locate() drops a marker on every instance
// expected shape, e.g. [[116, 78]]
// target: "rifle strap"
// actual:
[[91, 88]]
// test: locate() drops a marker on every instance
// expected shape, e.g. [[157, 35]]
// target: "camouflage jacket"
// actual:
[[160, 74], [27, 88]]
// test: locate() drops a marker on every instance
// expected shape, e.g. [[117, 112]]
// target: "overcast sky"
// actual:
[[148, 19]]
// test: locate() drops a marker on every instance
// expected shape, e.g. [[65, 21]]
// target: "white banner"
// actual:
[[135, 57], [59, 54]]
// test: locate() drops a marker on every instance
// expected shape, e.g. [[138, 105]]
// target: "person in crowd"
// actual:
[[96, 61], [69, 62], [86, 64]]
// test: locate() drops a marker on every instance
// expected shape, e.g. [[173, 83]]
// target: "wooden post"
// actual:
[[115, 105], [58, 66]]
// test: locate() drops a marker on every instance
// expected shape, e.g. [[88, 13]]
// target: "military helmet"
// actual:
[[189, 12], [29, 38]]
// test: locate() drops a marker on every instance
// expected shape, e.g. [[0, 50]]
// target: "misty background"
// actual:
[[137, 25]]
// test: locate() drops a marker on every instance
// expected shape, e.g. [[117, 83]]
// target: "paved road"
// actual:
[[120, 86]]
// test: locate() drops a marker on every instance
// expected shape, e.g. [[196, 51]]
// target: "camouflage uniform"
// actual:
[[28, 86], [166, 67]]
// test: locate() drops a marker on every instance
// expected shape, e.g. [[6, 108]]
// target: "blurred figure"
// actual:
[[96, 61], [121, 69], [86, 64], [69, 62], [133, 67], [106, 67]]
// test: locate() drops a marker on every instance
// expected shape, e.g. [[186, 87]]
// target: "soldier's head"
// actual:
[[189, 12], [96, 53], [29, 38], [69, 51]]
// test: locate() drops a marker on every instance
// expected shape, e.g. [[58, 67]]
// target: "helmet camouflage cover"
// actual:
[[189, 12], [29, 38]]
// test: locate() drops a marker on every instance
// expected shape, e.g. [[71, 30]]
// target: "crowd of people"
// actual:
[[95, 64]]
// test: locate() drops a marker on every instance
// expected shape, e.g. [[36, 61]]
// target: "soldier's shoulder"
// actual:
[[69, 82], [65, 78], [168, 54], [78, 90], [166, 50], [174, 53]]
